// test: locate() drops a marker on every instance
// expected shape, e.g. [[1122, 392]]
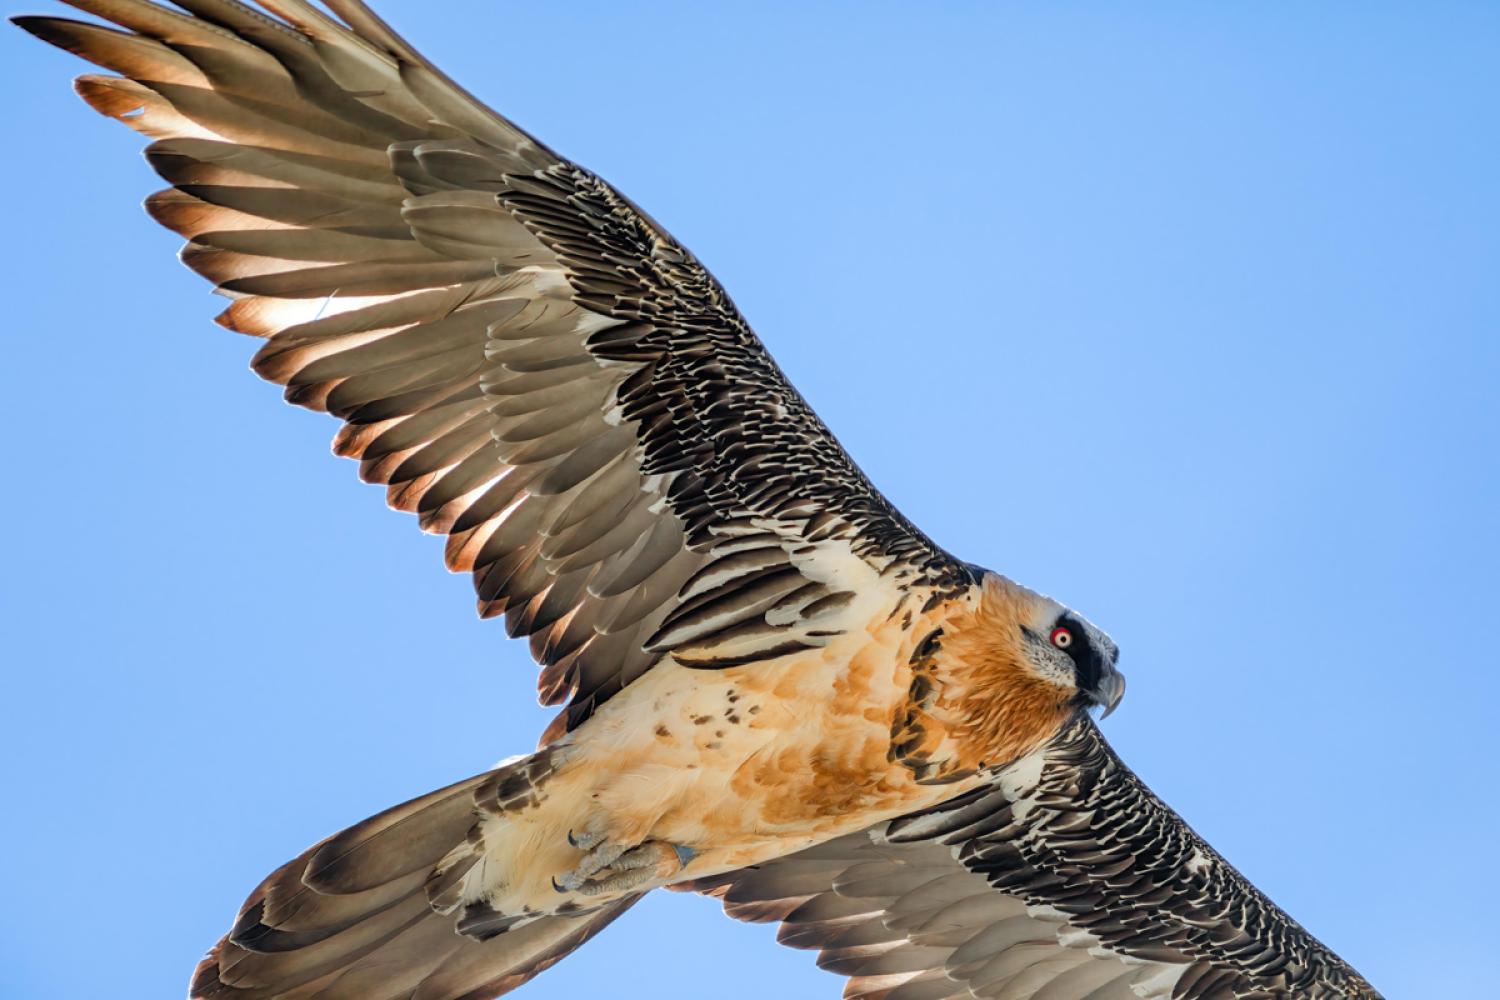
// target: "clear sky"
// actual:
[[1186, 314]]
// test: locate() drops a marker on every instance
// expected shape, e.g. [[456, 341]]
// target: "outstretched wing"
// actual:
[[1065, 878], [526, 361]]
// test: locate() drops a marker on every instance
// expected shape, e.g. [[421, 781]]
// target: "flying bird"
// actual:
[[774, 689]]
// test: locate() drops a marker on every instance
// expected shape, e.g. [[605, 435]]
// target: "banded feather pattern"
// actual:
[[1063, 877], [526, 362]]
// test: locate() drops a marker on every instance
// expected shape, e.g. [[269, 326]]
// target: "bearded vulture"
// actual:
[[775, 689]]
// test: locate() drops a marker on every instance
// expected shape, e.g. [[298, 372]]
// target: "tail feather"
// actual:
[[368, 913], [399, 841]]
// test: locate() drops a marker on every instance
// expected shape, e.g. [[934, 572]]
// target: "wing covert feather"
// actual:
[[1063, 878], [526, 361]]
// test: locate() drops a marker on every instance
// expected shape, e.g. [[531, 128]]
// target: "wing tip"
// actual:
[[205, 982], [42, 26]]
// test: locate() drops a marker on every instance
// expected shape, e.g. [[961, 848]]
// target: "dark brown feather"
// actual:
[[1063, 878]]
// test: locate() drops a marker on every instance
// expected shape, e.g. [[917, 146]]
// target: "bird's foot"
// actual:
[[610, 868]]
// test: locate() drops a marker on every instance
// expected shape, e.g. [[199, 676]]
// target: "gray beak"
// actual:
[[1108, 692]]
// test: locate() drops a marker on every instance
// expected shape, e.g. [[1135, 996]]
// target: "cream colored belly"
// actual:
[[740, 765]]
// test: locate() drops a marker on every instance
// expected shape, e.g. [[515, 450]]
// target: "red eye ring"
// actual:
[[1062, 638]]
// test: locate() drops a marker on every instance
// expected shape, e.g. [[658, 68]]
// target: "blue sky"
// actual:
[[1185, 314]]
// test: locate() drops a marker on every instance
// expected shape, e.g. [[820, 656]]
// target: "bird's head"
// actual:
[[1059, 646], [1012, 670]]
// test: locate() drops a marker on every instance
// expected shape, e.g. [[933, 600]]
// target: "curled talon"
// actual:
[[586, 841], [611, 868]]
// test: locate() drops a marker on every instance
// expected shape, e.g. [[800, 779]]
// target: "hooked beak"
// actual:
[[1108, 692]]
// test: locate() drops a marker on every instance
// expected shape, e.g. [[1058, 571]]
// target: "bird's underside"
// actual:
[[775, 689]]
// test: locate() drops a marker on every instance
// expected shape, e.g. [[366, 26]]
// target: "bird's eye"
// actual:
[[1062, 638]]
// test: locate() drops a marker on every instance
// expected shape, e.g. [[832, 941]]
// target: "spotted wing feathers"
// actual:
[[1065, 878]]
